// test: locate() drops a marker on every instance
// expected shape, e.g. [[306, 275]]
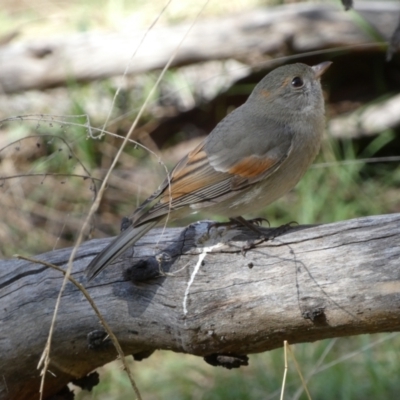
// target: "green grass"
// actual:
[[367, 374]]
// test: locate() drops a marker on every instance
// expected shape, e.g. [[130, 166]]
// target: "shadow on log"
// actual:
[[308, 284]]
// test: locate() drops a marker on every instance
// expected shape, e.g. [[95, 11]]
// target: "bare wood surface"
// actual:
[[367, 121], [262, 32], [308, 284]]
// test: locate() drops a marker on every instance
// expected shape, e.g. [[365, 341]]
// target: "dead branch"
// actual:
[[249, 37], [369, 120], [308, 284]]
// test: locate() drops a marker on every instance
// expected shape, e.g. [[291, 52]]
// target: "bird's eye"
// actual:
[[297, 82]]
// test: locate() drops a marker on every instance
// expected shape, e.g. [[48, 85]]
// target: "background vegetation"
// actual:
[[45, 201]]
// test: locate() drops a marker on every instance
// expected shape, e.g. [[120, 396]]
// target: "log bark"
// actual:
[[307, 284], [250, 36], [368, 120]]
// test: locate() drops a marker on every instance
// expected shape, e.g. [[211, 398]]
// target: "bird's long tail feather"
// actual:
[[125, 239]]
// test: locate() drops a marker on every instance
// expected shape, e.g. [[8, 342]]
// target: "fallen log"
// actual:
[[368, 120], [253, 35], [207, 297]]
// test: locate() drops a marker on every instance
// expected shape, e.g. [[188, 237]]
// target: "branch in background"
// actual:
[[366, 121], [394, 42], [250, 37]]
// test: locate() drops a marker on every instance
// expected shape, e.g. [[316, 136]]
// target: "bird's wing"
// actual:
[[195, 179], [254, 148]]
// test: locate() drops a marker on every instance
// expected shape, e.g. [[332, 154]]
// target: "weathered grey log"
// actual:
[[289, 29], [368, 120], [308, 284]]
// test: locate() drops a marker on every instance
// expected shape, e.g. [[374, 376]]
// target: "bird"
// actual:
[[255, 155]]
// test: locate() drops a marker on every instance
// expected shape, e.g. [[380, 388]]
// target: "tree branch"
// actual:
[[308, 284], [290, 29]]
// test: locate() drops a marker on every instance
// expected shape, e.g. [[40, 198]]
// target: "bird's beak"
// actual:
[[319, 69]]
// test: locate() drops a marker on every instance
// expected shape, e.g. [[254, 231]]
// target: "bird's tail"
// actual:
[[125, 239]]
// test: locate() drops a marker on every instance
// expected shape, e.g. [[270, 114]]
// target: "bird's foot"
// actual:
[[252, 224], [275, 232]]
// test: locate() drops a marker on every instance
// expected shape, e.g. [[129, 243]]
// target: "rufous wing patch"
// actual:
[[191, 175], [186, 167], [252, 166]]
